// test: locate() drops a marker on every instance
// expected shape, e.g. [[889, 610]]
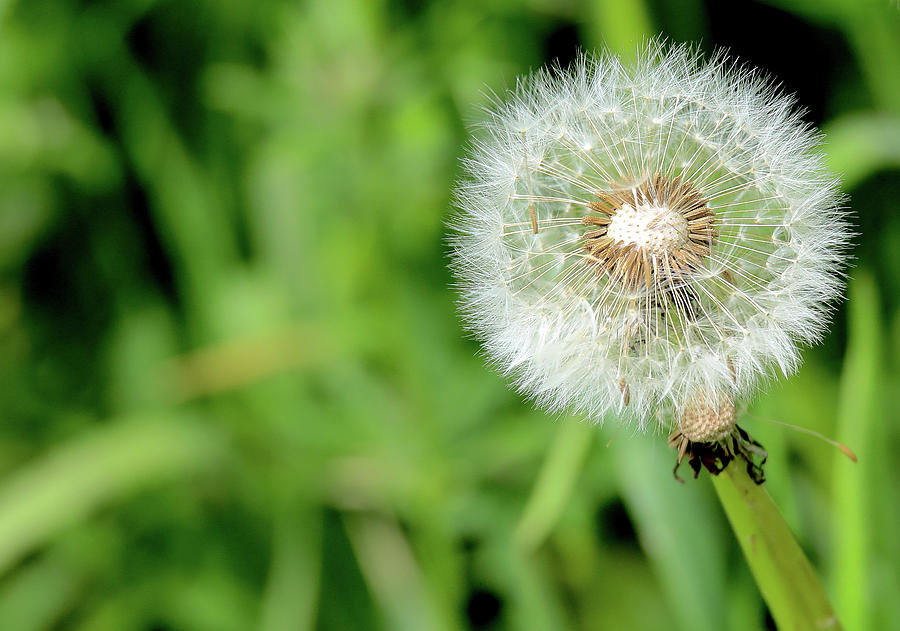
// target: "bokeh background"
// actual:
[[234, 391]]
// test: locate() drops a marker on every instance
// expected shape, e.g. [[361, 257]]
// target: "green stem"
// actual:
[[785, 577]]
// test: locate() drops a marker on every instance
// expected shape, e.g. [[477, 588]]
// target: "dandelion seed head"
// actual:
[[634, 240]]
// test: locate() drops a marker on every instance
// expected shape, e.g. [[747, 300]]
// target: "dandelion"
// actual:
[[649, 241]]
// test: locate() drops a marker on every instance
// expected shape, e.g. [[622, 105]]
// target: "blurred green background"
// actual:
[[234, 390]]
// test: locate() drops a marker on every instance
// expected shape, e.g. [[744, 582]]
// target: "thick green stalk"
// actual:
[[788, 584]]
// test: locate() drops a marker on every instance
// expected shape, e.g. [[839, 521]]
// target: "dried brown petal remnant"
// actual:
[[651, 234]]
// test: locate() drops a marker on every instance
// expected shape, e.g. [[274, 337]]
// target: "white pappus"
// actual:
[[647, 240]]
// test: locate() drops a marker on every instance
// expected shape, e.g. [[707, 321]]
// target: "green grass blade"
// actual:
[[555, 483], [289, 602], [858, 426], [619, 26], [388, 564], [861, 144], [39, 595], [70, 481], [678, 528]]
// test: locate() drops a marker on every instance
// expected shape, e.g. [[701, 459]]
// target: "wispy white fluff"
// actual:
[[566, 333]]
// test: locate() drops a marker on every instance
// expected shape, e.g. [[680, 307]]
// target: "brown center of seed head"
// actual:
[[654, 233], [707, 418]]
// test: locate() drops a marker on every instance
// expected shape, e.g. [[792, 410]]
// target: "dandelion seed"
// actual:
[[648, 242]]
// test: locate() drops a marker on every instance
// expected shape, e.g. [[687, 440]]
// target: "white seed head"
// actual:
[[630, 235]]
